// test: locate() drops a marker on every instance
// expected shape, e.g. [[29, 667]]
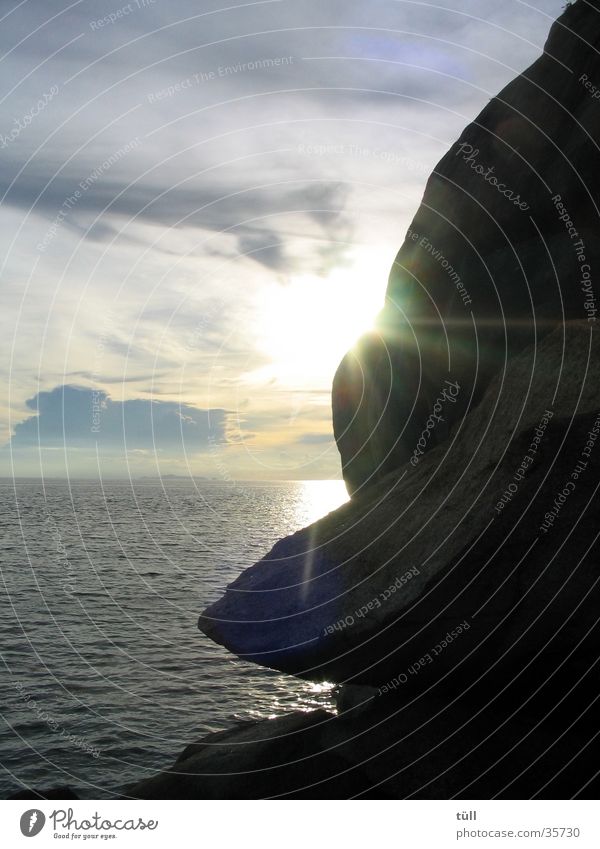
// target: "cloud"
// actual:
[[200, 204], [115, 378], [77, 417], [204, 193], [315, 439], [263, 247]]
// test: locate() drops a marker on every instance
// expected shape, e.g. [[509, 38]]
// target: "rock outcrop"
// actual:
[[473, 747], [481, 557], [504, 245], [455, 598], [463, 573]]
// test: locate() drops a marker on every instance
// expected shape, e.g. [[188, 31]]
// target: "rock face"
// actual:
[[483, 553], [504, 244], [467, 423], [460, 586], [463, 572], [431, 749]]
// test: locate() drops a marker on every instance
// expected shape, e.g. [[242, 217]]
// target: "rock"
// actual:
[[461, 580], [484, 273], [455, 598], [256, 760], [476, 746], [481, 556], [352, 700]]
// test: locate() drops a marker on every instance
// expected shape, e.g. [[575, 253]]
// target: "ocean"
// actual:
[[104, 675]]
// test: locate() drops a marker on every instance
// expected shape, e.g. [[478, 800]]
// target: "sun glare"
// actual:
[[319, 498], [308, 323]]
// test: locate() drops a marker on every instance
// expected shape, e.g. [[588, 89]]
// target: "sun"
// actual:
[[307, 324]]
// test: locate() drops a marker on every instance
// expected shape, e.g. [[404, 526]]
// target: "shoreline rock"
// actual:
[[458, 592], [474, 745], [469, 746], [460, 583], [479, 279], [462, 541]]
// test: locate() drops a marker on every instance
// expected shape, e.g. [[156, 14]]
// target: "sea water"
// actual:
[[104, 675]]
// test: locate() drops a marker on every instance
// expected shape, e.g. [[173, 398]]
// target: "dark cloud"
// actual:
[[265, 248], [204, 206], [74, 416], [199, 203]]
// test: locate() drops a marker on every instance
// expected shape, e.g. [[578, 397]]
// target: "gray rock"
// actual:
[[472, 747], [475, 556], [351, 700], [461, 580], [479, 278]]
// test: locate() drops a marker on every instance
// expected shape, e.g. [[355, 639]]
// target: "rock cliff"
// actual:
[[504, 244], [459, 587], [463, 573], [473, 747], [467, 423], [481, 557]]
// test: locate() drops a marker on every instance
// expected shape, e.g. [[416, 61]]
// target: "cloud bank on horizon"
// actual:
[[166, 167]]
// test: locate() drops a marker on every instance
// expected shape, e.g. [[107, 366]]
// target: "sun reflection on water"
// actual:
[[309, 696], [311, 501], [316, 499]]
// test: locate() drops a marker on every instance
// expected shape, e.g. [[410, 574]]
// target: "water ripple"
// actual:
[[105, 674]]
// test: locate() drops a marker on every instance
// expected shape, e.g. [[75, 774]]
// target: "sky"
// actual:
[[200, 206]]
